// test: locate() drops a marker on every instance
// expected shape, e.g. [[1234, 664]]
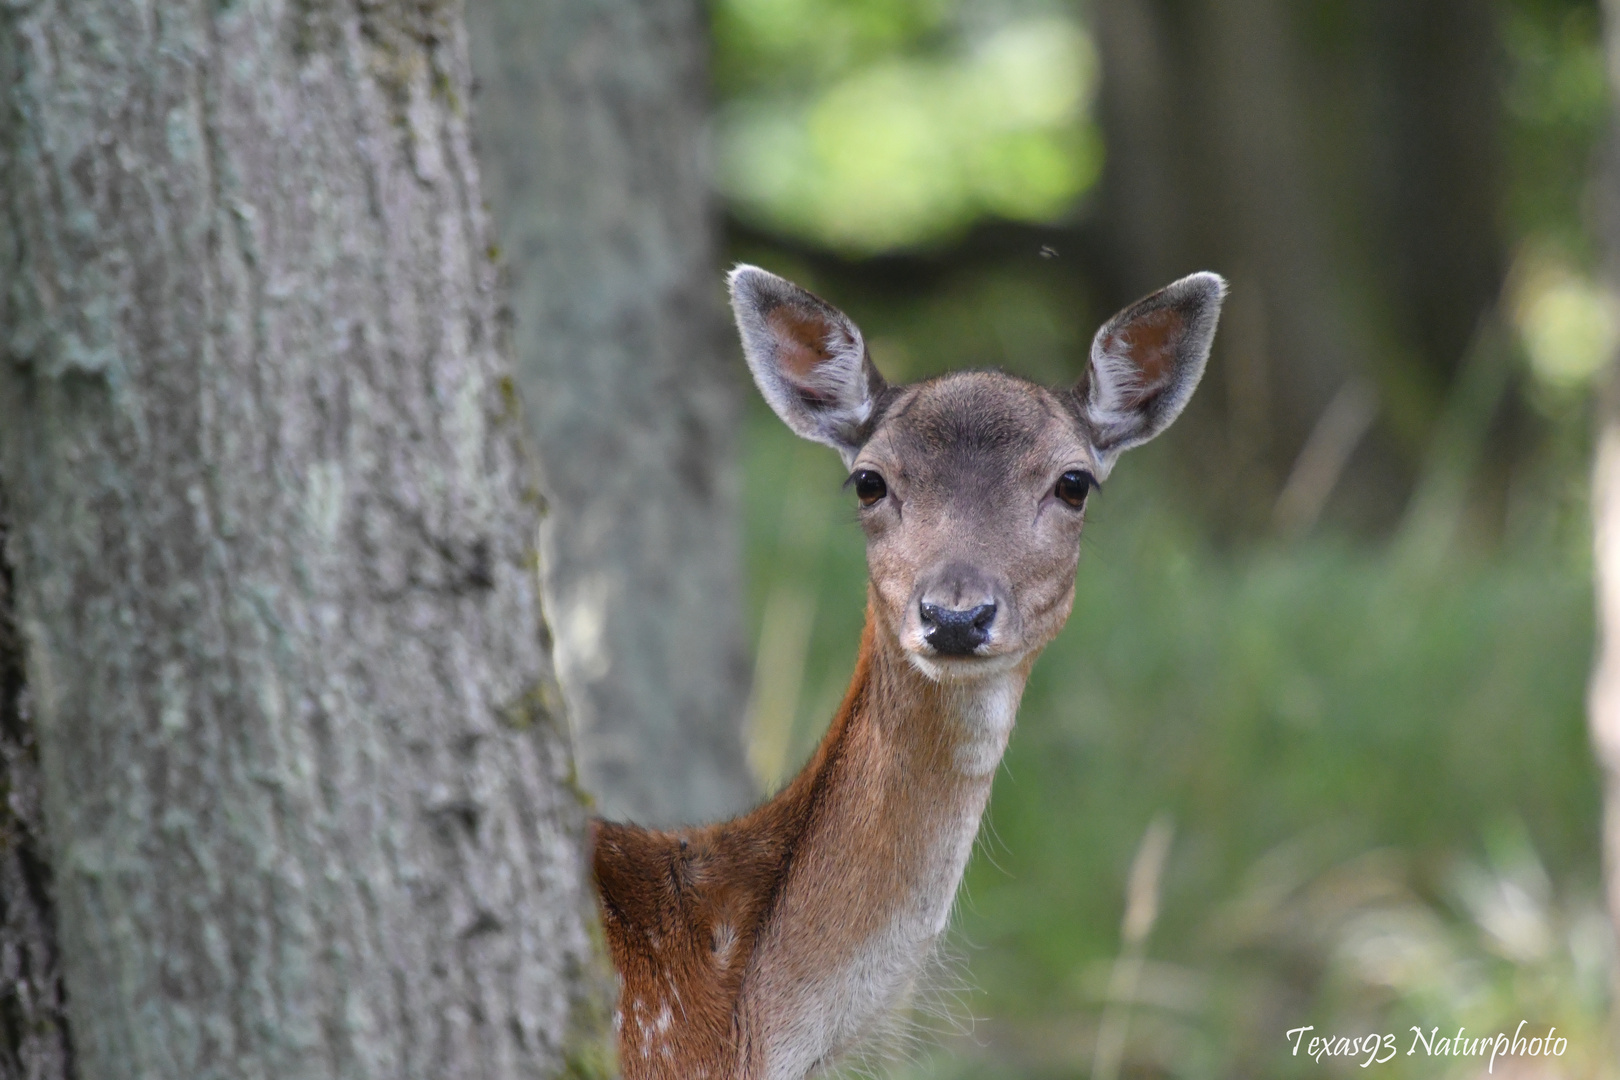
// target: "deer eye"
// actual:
[[1072, 487], [869, 486]]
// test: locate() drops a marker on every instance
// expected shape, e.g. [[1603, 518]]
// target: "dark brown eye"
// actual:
[[1072, 487], [869, 486]]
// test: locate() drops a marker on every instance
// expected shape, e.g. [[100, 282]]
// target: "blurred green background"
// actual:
[[1323, 684]]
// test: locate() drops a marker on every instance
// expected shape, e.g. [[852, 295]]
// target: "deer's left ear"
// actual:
[[1146, 362]]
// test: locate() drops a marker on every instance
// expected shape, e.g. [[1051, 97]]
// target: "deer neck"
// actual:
[[889, 805]]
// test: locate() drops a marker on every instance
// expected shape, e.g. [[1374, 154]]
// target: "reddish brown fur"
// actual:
[[801, 345], [669, 897], [1151, 338]]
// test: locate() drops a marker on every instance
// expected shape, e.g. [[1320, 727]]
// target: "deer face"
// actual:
[[973, 486], [970, 546]]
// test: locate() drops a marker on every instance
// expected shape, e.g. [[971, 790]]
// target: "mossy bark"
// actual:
[[592, 121], [274, 541]]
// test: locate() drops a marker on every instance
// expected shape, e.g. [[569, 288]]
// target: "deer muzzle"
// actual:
[[956, 631]]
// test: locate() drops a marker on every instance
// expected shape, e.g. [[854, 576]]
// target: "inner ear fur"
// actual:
[[808, 359], [1147, 360]]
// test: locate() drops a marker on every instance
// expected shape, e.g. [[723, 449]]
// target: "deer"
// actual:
[[768, 946]]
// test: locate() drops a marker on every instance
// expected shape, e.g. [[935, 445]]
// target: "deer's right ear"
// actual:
[[808, 359]]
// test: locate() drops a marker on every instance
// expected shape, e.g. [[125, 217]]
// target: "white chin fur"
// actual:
[[953, 669]]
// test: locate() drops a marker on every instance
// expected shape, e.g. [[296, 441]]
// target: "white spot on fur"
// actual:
[[645, 1030]]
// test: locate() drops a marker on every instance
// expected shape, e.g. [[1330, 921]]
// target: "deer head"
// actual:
[[973, 485]]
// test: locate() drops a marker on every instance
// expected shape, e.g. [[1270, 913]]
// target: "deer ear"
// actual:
[[808, 359], [1146, 362]]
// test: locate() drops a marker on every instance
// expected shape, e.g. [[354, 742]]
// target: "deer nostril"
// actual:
[[956, 631]]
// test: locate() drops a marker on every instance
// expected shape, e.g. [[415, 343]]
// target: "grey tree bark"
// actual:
[[304, 772], [591, 116], [34, 1038]]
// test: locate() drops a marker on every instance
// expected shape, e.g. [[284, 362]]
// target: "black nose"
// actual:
[[956, 631]]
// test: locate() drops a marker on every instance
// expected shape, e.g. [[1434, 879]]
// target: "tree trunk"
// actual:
[[1339, 165], [1603, 702], [34, 1042], [305, 779], [591, 116]]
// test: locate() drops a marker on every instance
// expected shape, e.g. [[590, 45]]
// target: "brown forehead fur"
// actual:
[[973, 423]]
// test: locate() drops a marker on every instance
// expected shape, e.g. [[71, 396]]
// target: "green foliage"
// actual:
[[1557, 101], [1557, 97], [798, 43], [868, 127]]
